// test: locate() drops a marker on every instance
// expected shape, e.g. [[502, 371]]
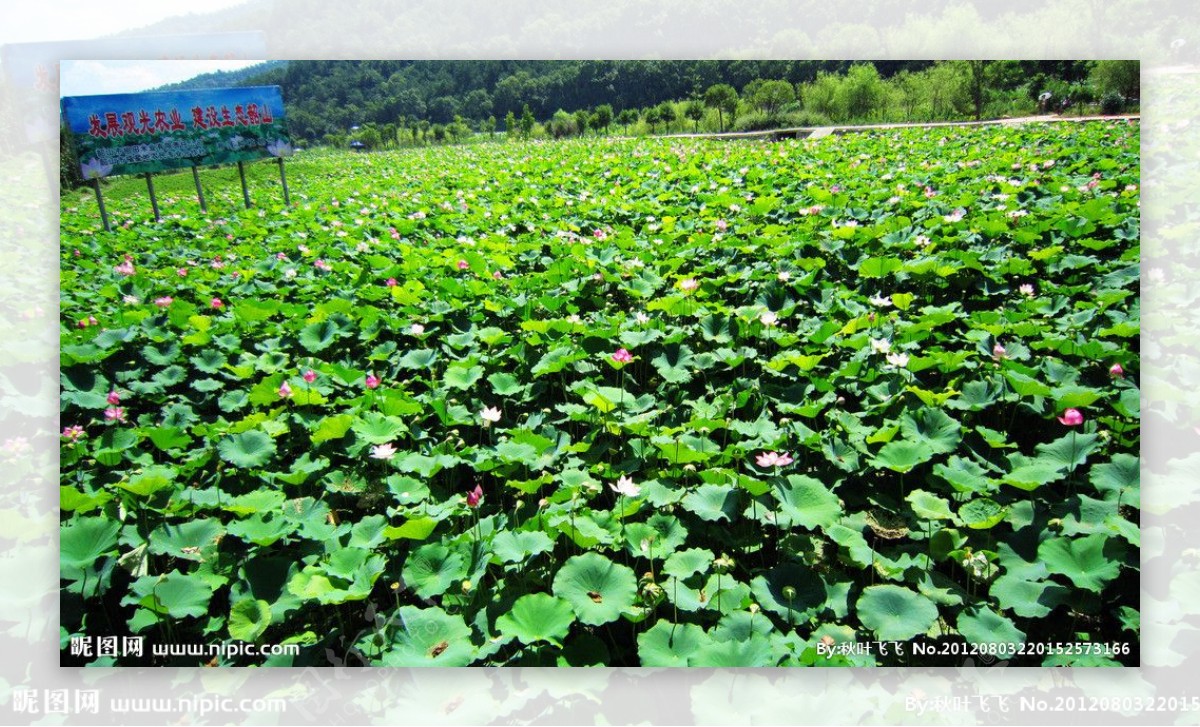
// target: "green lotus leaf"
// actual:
[[806, 502], [248, 619], [669, 644], [981, 513], [598, 589], [902, 455], [1083, 560], [537, 617], [895, 613], [252, 448], [513, 546], [431, 569], [430, 637]]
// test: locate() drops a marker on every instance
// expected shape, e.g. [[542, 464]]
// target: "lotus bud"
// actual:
[[466, 587]]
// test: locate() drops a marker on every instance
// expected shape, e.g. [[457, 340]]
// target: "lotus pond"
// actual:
[[615, 402]]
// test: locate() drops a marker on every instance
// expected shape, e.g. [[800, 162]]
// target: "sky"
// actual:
[[22, 21], [84, 78], [76, 20]]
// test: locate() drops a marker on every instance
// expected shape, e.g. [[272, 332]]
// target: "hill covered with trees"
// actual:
[[386, 103]]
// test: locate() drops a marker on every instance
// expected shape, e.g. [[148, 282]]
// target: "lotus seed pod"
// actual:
[[789, 593], [466, 587]]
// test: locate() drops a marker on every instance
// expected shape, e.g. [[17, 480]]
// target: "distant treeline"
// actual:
[[388, 103]]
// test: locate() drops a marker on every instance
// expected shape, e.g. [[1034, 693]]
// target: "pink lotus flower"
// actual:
[[182, 272], [285, 391], [217, 303], [322, 265], [999, 352], [622, 356], [497, 275], [1116, 371], [722, 225], [164, 301], [391, 283], [280, 256], [114, 414], [773, 459], [372, 381], [688, 285], [474, 496], [114, 397], [309, 376], [383, 451], [599, 234], [73, 433], [125, 268], [1071, 418], [463, 264]]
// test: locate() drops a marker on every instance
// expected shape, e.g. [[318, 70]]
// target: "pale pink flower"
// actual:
[[164, 301], [688, 284], [497, 275], [999, 352], [391, 283], [722, 225], [768, 319], [1116, 371], [182, 272], [322, 265], [284, 390], [217, 303], [463, 264], [417, 329], [622, 356], [73, 433], [114, 414], [372, 381], [125, 268], [773, 459], [114, 397], [383, 451], [1026, 289]]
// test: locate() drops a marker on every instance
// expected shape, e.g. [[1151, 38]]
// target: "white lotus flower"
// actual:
[[490, 415], [626, 487], [95, 169], [280, 148], [900, 360]]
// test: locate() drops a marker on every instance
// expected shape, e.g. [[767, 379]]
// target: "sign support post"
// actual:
[[153, 199], [199, 190], [100, 201], [283, 178], [245, 192]]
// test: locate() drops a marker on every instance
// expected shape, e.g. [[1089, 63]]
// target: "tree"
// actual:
[[977, 77], [862, 91], [1123, 77], [489, 126], [694, 110], [510, 124], [724, 99], [771, 96], [602, 117], [666, 113], [527, 122], [581, 121], [627, 117]]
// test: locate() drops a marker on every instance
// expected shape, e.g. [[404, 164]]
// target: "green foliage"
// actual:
[[464, 468]]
